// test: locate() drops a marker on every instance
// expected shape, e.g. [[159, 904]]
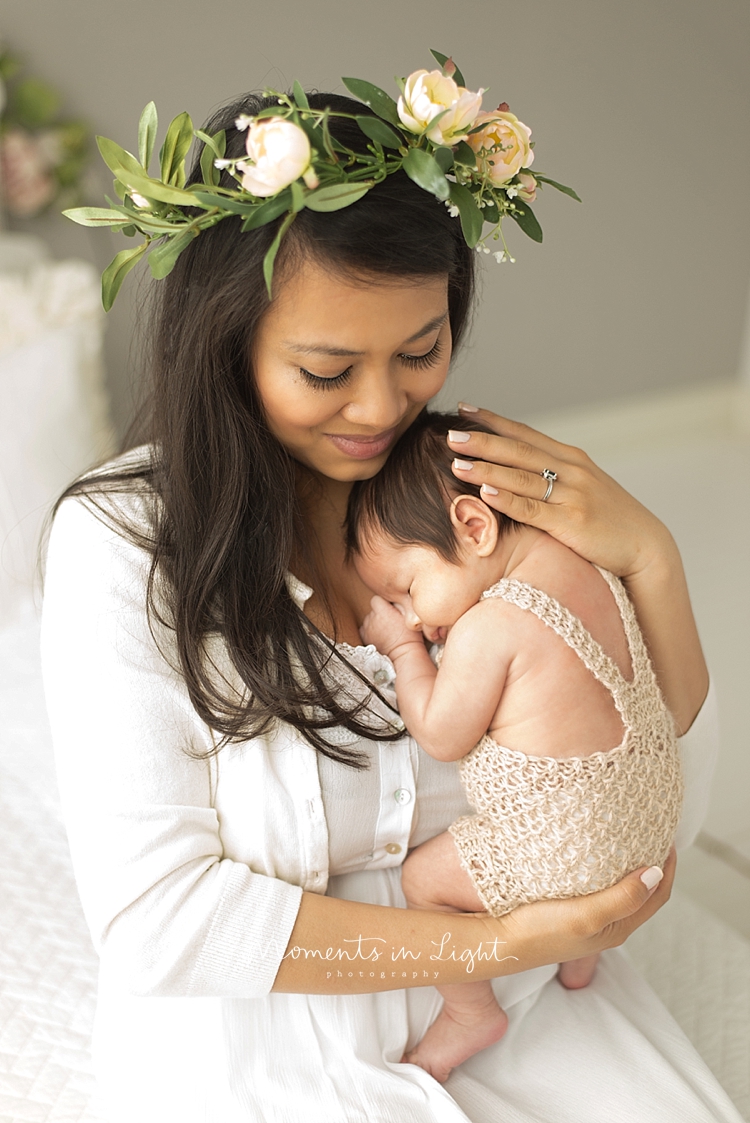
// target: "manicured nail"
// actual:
[[489, 490], [463, 465], [457, 436], [651, 877], [464, 407]]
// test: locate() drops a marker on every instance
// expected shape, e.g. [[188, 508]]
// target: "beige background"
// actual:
[[643, 107]]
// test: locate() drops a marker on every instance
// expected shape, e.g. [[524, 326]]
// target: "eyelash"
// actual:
[[416, 362]]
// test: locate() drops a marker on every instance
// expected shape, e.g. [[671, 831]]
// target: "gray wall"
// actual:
[[642, 106]]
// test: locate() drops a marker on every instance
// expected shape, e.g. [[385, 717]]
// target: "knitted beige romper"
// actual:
[[549, 828]]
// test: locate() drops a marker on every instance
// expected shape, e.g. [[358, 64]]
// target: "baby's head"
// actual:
[[419, 536]]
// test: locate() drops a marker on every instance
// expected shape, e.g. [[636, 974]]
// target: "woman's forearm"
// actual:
[[660, 595], [347, 947]]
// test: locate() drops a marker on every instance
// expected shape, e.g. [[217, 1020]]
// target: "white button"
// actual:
[[393, 848], [397, 723], [381, 677], [401, 795]]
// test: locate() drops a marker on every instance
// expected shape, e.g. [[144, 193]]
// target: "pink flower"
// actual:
[[27, 184], [502, 146], [527, 186]]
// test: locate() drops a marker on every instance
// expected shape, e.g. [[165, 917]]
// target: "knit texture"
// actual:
[[549, 828]]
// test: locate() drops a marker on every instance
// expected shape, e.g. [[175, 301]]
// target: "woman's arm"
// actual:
[[345, 947], [589, 512]]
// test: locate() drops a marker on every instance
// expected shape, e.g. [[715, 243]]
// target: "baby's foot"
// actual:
[[578, 972], [455, 1036]]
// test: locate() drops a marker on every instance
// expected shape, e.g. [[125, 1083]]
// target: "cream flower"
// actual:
[[280, 154], [428, 93], [502, 146]]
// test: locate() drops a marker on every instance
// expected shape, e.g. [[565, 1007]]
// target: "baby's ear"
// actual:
[[475, 525]]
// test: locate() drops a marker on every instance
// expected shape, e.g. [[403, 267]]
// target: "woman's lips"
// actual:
[[362, 448]]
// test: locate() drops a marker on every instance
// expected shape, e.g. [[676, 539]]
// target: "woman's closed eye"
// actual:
[[418, 362]]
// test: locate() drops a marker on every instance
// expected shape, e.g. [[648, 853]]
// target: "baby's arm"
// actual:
[[446, 710]]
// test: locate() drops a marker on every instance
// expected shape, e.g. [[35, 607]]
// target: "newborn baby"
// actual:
[[543, 690]]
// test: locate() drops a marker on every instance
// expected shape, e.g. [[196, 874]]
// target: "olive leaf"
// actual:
[[527, 220], [97, 216], [377, 130], [147, 127], [469, 213], [175, 148], [268, 211], [117, 271], [300, 96], [270, 257], [163, 258], [337, 196], [130, 173], [382, 103], [558, 186], [426, 172], [458, 77]]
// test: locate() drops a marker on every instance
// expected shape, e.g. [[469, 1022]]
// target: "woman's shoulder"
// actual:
[[119, 494]]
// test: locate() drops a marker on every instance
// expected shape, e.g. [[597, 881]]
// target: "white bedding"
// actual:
[[700, 968]]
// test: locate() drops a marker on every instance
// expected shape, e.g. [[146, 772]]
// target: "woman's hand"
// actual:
[[588, 924], [339, 946], [589, 512]]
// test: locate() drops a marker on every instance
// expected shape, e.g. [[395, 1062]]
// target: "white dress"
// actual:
[[191, 873]]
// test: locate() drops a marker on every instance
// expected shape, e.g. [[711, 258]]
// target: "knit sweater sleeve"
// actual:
[[168, 913]]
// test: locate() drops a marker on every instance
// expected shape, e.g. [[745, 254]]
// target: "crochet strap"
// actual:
[[570, 628]]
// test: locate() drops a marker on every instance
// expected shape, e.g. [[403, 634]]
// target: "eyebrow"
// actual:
[[322, 349]]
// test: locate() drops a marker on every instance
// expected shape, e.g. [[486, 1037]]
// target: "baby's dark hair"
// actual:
[[409, 499]]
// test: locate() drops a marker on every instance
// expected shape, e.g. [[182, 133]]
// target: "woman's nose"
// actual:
[[380, 402]]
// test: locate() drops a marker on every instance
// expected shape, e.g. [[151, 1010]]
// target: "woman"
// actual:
[[238, 790]]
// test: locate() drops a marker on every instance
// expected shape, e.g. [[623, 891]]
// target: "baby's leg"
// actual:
[[578, 973], [470, 1019]]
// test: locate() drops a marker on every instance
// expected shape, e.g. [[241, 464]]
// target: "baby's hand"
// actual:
[[386, 628]]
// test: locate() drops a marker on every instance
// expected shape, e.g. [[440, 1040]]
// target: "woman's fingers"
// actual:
[[614, 913], [518, 433]]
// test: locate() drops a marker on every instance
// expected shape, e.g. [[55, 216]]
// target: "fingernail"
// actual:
[[651, 877], [463, 465], [464, 407], [489, 490], [457, 436]]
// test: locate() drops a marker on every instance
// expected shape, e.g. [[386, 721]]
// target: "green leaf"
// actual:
[[465, 155], [175, 148], [233, 206], [377, 99], [377, 130], [163, 259], [270, 257], [298, 197], [526, 219], [97, 216], [444, 157], [33, 103], [458, 77], [426, 172], [470, 216], [299, 95], [130, 173], [337, 196], [129, 231], [491, 213], [147, 127], [117, 271], [267, 212], [557, 186]]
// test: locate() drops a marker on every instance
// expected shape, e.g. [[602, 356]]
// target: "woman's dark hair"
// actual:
[[225, 523], [409, 499]]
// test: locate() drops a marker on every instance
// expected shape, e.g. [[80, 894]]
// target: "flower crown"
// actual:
[[476, 163]]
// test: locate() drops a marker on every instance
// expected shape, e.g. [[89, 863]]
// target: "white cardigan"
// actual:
[[191, 872]]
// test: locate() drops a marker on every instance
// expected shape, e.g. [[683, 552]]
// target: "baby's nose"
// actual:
[[412, 620]]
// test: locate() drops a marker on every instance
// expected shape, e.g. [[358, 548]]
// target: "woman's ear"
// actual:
[[475, 525]]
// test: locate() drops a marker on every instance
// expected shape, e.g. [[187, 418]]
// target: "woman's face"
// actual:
[[344, 366]]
